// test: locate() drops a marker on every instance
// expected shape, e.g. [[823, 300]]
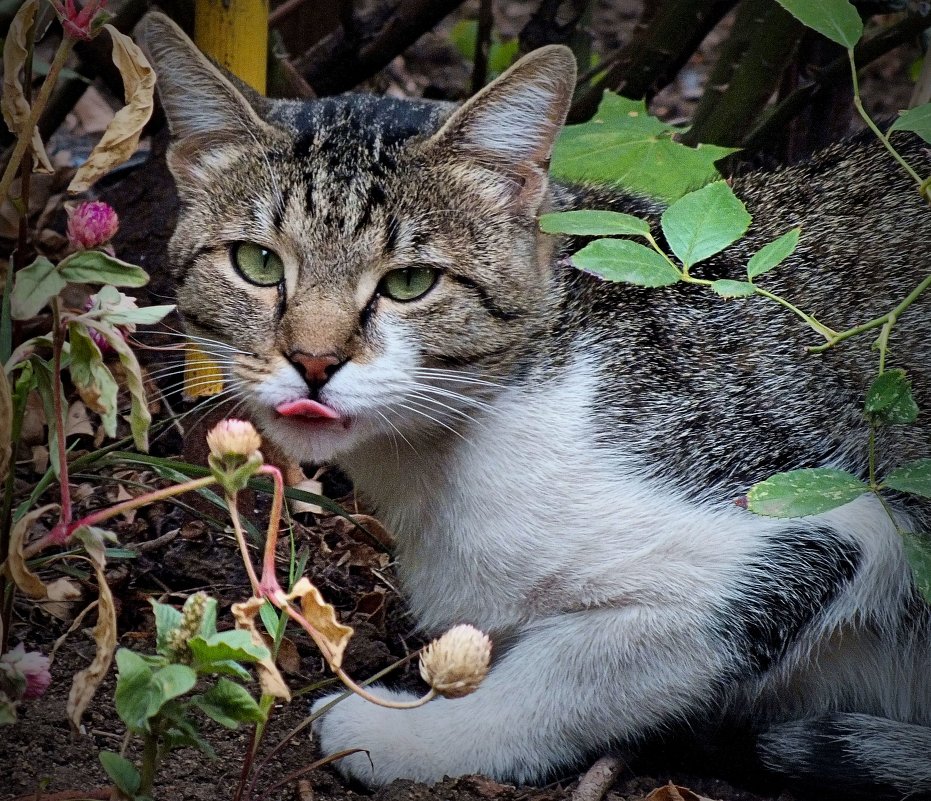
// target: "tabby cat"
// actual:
[[558, 457]]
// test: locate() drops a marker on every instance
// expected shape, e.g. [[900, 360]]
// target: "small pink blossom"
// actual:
[[92, 224], [81, 23], [33, 667], [233, 438]]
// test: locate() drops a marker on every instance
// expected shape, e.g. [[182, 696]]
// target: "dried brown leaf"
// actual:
[[6, 425], [299, 507], [322, 617], [87, 681], [28, 582], [376, 529], [288, 657], [39, 459], [15, 107], [62, 593], [672, 792], [121, 138], [270, 678], [78, 421]]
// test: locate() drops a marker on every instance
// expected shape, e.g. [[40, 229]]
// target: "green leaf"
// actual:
[[623, 144], [798, 493], [112, 306], [139, 416], [623, 260], [229, 704], [97, 267], [122, 772], [94, 540], [270, 618], [167, 619], [183, 734], [174, 680], [234, 645], [136, 698], [733, 289], [33, 287], [838, 20], [208, 623], [917, 120], [92, 377], [889, 400], [914, 478], [773, 253], [918, 553], [704, 222], [594, 223]]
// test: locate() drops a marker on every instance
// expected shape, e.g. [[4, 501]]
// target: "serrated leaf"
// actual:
[[623, 260], [838, 20], [733, 289], [135, 694], [229, 704], [623, 144], [122, 772], [97, 267], [773, 253], [798, 493], [704, 222], [92, 378], [167, 619], [889, 400], [917, 120], [594, 223], [33, 287], [918, 552], [913, 478]]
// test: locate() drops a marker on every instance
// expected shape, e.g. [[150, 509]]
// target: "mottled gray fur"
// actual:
[[558, 457]]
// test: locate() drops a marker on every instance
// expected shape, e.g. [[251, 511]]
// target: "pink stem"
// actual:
[[60, 532], [269, 585]]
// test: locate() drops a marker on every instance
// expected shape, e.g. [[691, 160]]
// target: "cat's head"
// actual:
[[371, 267]]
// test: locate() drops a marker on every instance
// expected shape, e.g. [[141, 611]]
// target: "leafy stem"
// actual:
[[59, 533]]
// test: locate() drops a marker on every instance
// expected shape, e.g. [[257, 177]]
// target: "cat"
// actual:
[[557, 456]]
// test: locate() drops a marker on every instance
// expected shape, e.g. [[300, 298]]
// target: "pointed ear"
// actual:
[[508, 129], [200, 102]]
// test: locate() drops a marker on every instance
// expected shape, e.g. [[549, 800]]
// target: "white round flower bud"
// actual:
[[455, 663], [233, 438]]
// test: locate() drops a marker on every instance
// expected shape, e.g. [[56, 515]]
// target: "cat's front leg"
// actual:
[[570, 685]]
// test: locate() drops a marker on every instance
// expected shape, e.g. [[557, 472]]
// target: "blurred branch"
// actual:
[[663, 40], [348, 56], [836, 72], [545, 26], [482, 45], [762, 42]]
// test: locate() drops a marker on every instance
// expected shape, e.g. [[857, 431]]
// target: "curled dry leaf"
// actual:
[[15, 107], [121, 138], [672, 792], [6, 425], [322, 618], [87, 681], [28, 582], [270, 678]]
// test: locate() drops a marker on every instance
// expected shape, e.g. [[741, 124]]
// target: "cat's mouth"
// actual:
[[310, 411]]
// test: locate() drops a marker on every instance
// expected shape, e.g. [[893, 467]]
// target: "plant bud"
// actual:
[[455, 663], [92, 224], [81, 23], [233, 438], [31, 666]]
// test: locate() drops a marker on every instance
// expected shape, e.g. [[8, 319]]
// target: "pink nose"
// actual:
[[316, 369]]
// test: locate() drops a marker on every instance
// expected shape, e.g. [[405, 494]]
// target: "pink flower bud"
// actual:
[[233, 438], [33, 667], [91, 224], [83, 23]]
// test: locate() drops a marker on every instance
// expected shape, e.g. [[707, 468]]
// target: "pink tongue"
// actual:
[[306, 408]]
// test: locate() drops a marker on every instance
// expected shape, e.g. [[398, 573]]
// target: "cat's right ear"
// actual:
[[200, 102]]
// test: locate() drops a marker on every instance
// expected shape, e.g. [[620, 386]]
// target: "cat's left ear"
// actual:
[[507, 130]]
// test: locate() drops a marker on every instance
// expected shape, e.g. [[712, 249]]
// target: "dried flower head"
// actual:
[[92, 224], [81, 23], [455, 663], [32, 666], [233, 438]]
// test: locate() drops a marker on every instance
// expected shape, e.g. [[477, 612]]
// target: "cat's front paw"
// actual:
[[394, 751]]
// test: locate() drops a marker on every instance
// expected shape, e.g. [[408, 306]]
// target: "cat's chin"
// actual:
[[311, 439]]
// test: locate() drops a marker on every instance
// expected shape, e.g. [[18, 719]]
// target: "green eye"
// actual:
[[258, 265], [408, 283]]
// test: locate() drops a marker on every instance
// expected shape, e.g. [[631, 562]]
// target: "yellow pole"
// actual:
[[235, 34]]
